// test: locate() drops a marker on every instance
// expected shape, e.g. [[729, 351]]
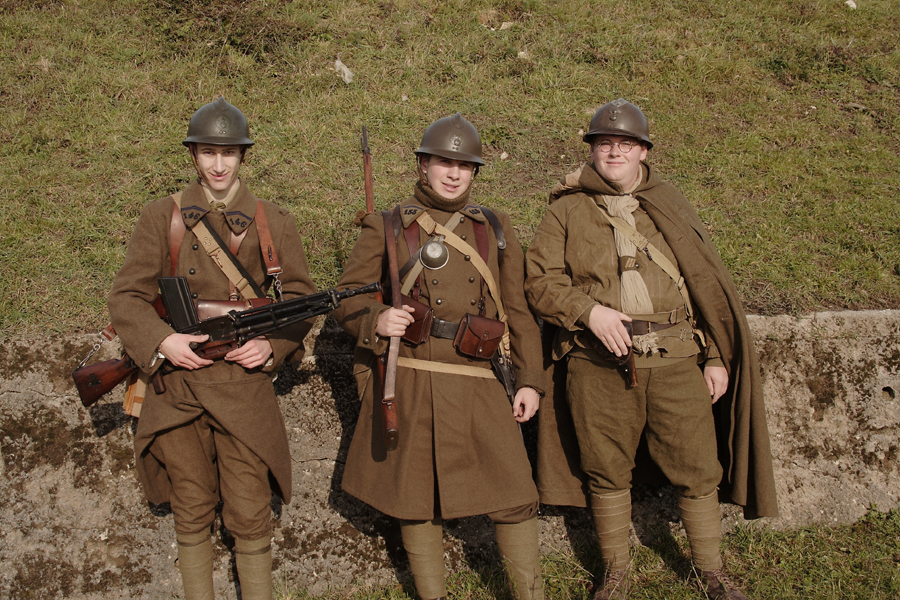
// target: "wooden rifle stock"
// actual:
[[96, 380], [387, 366], [389, 383]]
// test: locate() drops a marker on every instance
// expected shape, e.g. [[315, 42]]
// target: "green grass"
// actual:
[[854, 562], [779, 120]]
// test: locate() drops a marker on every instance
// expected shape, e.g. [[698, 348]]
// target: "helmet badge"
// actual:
[[614, 111], [222, 123], [455, 143]]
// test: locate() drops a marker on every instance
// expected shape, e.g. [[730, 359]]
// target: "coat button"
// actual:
[[462, 219], [467, 257], [462, 237], [434, 282], [438, 301], [194, 247], [471, 280], [472, 302], [192, 271], [194, 295], [365, 340]]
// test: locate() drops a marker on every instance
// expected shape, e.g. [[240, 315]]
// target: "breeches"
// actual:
[[670, 404], [205, 463]]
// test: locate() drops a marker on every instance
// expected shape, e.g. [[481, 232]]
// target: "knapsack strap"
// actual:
[[226, 261], [412, 274], [653, 253], [176, 231]]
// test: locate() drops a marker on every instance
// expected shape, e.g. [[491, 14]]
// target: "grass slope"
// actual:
[[779, 120]]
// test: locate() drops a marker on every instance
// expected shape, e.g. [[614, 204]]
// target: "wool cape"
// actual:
[[460, 450], [242, 401], [741, 430]]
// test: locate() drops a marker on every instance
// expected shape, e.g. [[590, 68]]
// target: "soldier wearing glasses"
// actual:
[[620, 264]]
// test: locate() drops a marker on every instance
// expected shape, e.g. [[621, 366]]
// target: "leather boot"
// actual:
[[424, 544], [195, 561], [520, 549], [615, 586], [719, 587], [612, 521], [254, 566]]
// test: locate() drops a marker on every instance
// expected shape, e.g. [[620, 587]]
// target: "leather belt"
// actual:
[[645, 327], [444, 329]]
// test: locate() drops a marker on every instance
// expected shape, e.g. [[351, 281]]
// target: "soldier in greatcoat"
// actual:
[[620, 248], [460, 448], [216, 433]]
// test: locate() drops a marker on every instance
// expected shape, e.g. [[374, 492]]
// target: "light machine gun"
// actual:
[[226, 332]]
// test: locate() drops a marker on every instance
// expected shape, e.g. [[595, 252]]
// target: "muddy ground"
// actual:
[[73, 523]]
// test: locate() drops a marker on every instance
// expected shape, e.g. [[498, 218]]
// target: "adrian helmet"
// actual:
[[220, 124], [619, 117], [452, 137]]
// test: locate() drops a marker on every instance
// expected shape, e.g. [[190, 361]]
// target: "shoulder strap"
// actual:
[[653, 253], [498, 232], [226, 261], [270, 256], [176, 231], [411, 274], [215, 248], [431, 227]]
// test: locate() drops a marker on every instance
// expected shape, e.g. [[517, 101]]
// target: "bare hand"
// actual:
[[393, 322], [716, 380], [526, 403], [606, 324], [253, 354], [177, 350]]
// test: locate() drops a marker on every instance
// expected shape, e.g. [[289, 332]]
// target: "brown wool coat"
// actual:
[[456, 428], [562, 252], [242, 401]]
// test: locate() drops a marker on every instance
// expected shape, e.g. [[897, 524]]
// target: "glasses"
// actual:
[[624, 146]]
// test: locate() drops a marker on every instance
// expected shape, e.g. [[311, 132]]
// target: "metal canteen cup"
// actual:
[[434, 254]]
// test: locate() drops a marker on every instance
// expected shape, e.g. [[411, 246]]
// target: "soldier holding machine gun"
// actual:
[[213, 430], [456, 449]]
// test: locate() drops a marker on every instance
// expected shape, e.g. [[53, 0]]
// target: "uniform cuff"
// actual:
[[532, 378]]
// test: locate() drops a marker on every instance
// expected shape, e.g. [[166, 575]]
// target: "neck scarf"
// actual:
[[425, 194]]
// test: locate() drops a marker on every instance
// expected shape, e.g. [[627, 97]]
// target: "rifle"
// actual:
[[387, 366], [226, 332]]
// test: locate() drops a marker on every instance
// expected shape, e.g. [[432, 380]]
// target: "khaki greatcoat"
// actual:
[[458, 438], [242, 401], [568, 272]]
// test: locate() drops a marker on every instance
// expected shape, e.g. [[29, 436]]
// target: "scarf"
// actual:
[[425, 194]]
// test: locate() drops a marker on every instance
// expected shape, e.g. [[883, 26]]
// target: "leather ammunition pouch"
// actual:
[[479, 337], [210, 309], [419, 330]]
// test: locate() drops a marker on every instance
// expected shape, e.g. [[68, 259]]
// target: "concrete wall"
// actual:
[[73, 523]]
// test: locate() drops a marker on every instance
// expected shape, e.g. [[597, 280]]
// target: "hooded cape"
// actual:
[[741, 431]]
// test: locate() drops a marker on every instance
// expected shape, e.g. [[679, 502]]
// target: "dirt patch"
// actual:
[[73, 522]]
